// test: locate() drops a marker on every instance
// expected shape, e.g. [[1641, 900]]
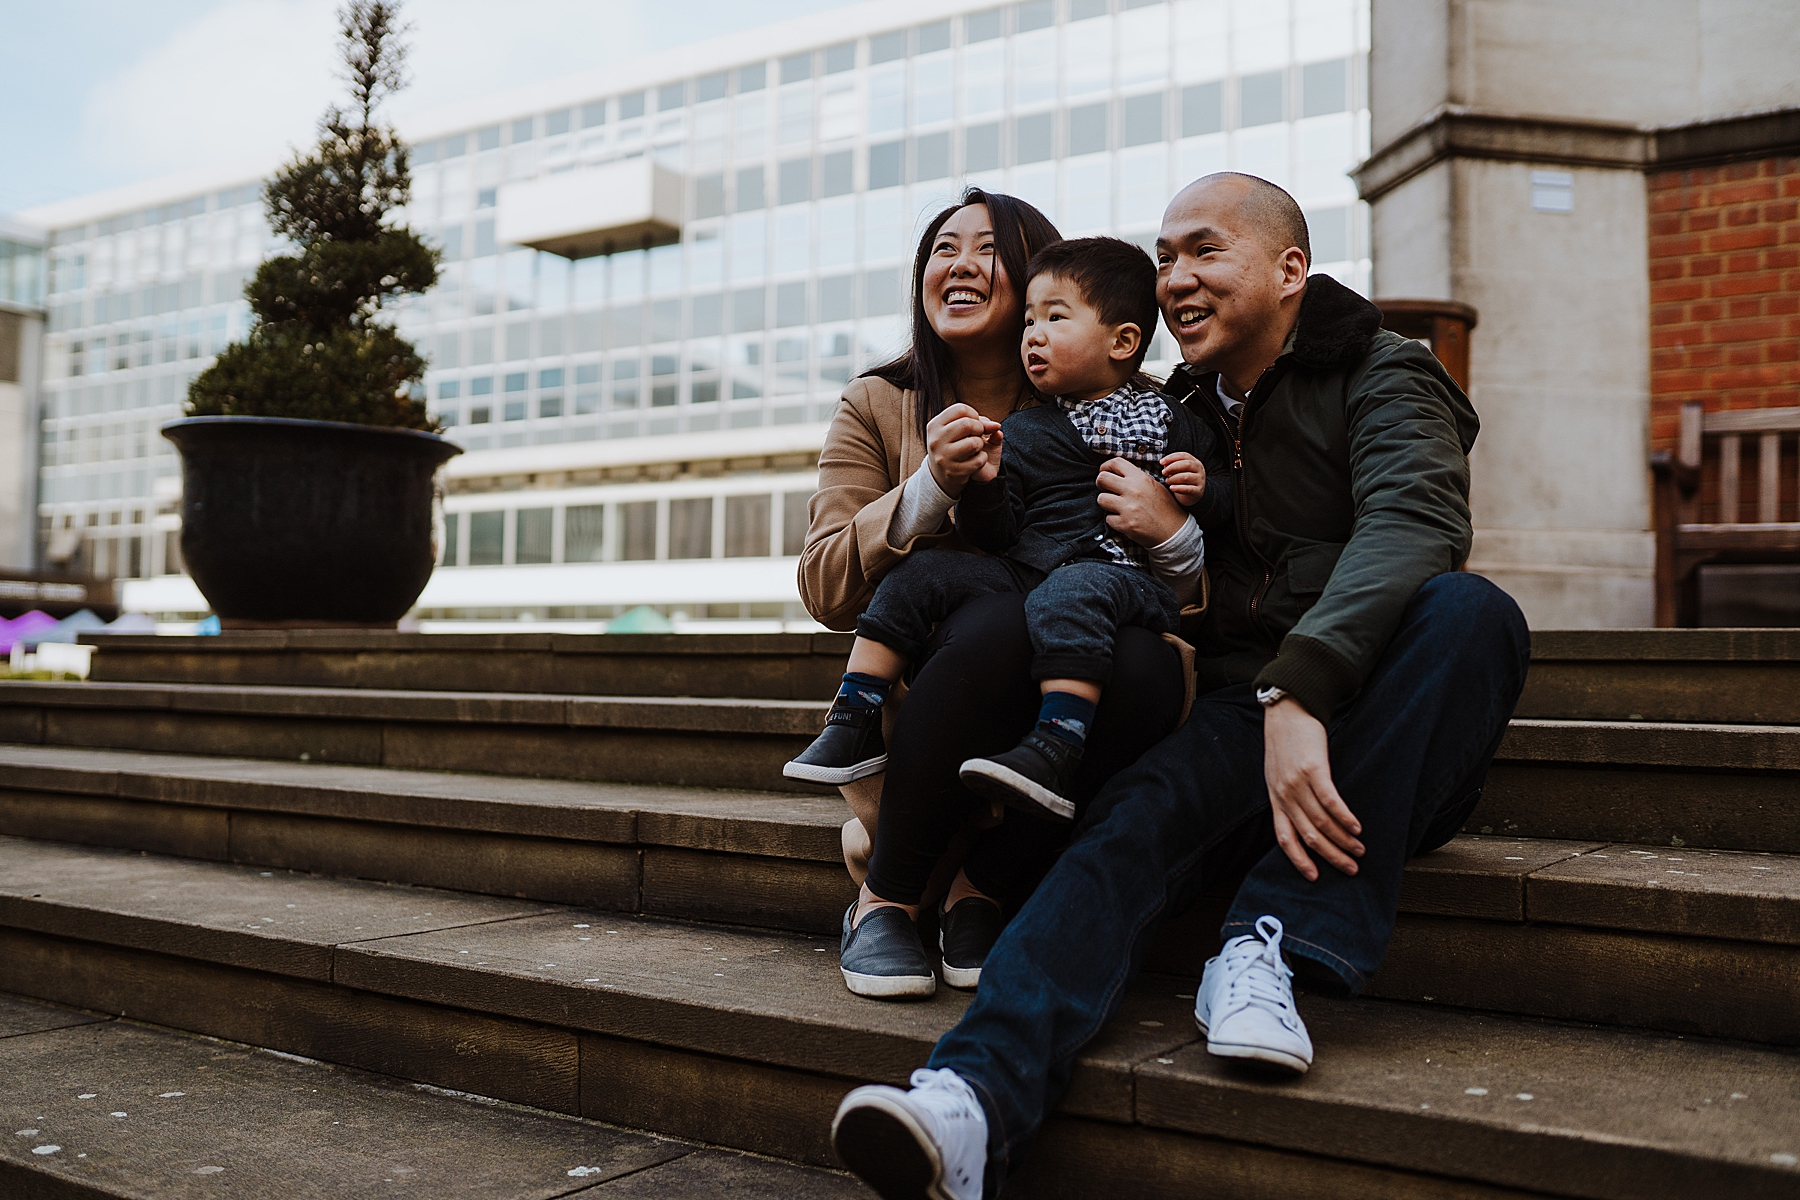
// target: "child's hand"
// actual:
[[990, 448], [1186, 477]]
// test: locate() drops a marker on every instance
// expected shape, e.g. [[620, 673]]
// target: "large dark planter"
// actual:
[[306, 522]]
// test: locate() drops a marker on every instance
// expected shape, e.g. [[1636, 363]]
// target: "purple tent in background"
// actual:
[[30, 625]]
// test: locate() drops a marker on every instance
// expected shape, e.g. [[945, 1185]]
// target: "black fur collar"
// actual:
[[1336, 325]]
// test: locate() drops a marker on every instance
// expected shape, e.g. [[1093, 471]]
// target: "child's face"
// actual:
[[1067, 349]]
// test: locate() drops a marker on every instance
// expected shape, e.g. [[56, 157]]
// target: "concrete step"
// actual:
[[1487, 922], [102, 1107], [690, 741], [747, 1038], [1722, 786], [1734, 675], [765, 858], [790, 666], [1728, 787], [1739, 676]]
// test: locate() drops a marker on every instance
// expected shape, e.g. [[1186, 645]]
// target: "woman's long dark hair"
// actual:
[[1019, 232]]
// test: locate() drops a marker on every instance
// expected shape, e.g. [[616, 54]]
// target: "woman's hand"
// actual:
[[962, 445], [1186, 477], [1137, 505]]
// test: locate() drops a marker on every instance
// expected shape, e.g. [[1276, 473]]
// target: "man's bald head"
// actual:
[[1231, 263], [1267, 210]]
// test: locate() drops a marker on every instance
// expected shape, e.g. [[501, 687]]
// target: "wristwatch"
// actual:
[[1270, 696]]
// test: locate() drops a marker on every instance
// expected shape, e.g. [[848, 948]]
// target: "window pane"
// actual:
[[837, 174], [886, 165], [1143, 120], [931, 157], [690, 528], [981, 148], [1087, 129], [487, 538], [749, 188], [794, 181], [1031, 139], [1323, 88], [451, 523], [583, 532], [841, 57], [1202, 109], [531, 542], [794, 522], [747, 527], [637, 531], [1260, 99]]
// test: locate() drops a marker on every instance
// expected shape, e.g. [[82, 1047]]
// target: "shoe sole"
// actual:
[[887, 987], [957, 977], [887, 1149], [995, 782], [837, 776], [1261, 1054]]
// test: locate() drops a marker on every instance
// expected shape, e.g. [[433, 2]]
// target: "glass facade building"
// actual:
[[659, 406]]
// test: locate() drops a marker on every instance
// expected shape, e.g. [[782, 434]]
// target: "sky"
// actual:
[[96, 94]]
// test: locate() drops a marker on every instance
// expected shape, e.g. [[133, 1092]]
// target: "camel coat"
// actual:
[[871, 450]]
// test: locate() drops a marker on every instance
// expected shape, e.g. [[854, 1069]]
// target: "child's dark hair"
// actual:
[[1116, 278]]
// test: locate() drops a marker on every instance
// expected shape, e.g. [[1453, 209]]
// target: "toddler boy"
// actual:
[[1090, 311]]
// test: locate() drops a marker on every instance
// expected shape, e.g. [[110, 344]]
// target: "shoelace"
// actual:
[[1257, 973], [949, 1098]]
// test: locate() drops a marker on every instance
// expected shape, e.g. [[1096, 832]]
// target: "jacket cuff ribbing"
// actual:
[[1313, 673]]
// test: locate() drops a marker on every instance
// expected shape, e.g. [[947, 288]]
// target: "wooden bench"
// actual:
[[1684, 542]]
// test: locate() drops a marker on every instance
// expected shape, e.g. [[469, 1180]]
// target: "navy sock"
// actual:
[[1067, 716], [863, 691]]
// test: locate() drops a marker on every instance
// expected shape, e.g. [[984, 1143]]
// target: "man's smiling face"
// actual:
[[1219, 280]]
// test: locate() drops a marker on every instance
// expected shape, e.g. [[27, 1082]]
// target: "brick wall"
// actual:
[[1724, 289]]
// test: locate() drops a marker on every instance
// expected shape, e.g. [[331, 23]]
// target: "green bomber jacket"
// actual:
[[1352, 472]]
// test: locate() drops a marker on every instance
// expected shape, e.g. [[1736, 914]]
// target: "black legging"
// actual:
[[972, 695]]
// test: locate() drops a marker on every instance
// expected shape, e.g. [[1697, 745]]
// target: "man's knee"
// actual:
[[1472, 604]]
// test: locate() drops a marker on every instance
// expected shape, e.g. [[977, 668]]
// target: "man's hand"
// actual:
[[1186, 477], [962, 445], [1136, 504], [1309, 813]]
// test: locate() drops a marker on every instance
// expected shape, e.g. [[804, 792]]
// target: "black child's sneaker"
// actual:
[[849, 749], [966, 932], [1034, 776]]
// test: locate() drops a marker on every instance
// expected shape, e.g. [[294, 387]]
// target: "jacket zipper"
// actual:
[[1243, 502]]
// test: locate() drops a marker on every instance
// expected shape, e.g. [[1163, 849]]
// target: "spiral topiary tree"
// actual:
[[317, 349]]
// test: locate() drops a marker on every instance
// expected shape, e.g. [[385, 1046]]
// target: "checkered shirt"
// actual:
[[1131, 423]]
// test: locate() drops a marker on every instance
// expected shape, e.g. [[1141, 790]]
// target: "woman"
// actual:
[[903, 442]]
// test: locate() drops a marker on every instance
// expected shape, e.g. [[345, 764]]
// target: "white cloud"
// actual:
[[254, 75], [248, 76]]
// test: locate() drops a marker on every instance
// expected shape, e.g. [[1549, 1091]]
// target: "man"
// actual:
[[1355, 687]]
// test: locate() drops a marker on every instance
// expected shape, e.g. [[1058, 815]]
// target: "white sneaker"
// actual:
[[926, 1144], [1246, 1004]]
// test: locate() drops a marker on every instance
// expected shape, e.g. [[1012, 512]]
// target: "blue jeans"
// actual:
[[1409, 754], [1073, 614]]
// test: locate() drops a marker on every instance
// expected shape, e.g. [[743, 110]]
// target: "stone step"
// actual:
[[1739, 676], [1618, 935], [788, 666], [766, 858], [102, 1107], [700, 742], [746, 1038], [1722, 786], [1728, 787], [752, 858]]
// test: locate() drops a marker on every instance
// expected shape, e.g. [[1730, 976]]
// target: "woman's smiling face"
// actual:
[[967, 295]]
